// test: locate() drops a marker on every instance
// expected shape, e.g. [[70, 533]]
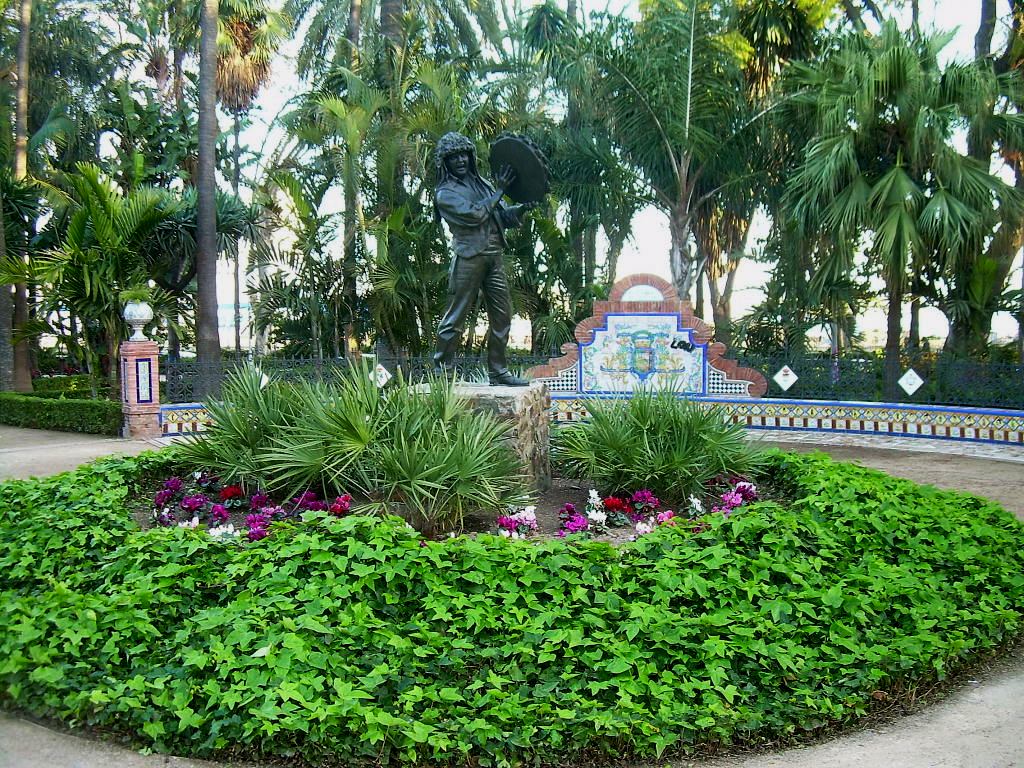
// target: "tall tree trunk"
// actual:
[[6, 316], [22, 355], [914, 342], [207, 327], [986, 28], [893, 331], [236, 179], [391, 20], [350, 219], [1020, 318], [616, 241], [681, 261]]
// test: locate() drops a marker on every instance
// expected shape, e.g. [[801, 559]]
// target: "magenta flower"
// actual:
[[163, 498], [165, 519], [259, 519], [747, 490], [255, 534], [173, 484], [258, 500], [341, 505], [194, 503], [219, 513], [574, 524]]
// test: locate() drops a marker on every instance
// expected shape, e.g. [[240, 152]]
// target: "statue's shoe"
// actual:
[[506, 379]]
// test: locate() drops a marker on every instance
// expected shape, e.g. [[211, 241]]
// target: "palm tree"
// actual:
[[207, 325], [99, 255], [253, 32], [670, 91], [883, 171], [22, 357]]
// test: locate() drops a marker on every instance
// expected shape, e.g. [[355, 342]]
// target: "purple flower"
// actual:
[[258, 500], [747, 490], [173, 484], [219, 513], [731, 499], [194, 503], [165, 518], [259, 519], [308, 500], [256, 533], [644, 498], [163, 498], [575, 524]]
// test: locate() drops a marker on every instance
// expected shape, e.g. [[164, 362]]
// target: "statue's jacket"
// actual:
[[474, 224]]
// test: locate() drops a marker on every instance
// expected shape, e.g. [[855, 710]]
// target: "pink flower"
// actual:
[[667, 517]]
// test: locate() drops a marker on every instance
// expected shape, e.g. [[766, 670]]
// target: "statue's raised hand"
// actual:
[[506, 177]]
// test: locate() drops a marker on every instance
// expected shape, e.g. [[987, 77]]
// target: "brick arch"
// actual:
[[663, 286]]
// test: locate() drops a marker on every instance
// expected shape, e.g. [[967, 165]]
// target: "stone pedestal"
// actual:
[[527, 409], [140, 389]]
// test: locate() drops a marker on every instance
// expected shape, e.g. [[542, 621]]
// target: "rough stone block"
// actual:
[[528, 410]]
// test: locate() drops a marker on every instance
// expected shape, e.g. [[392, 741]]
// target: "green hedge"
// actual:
[[349, 641], [102, 417], [78, 384]]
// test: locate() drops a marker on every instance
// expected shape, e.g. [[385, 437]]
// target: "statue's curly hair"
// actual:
[[450, 144]]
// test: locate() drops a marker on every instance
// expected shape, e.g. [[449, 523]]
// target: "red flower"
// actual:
[[615, 504], [229, 492]]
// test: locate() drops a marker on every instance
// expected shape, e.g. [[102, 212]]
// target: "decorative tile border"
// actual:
[[979, 425], [183, 419], [987, 425]]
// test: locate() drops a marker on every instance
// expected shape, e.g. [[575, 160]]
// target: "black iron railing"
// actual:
[[946, 381]]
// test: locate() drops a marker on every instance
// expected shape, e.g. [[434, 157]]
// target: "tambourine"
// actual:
[[529, 163]]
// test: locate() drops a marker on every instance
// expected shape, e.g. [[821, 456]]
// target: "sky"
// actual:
[[648, 249]]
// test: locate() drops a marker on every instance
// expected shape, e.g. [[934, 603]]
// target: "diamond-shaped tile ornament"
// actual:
[[910, 381], [785, 378], [380, 375]]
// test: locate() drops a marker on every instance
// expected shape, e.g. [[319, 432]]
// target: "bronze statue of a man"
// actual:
[[477, 219]]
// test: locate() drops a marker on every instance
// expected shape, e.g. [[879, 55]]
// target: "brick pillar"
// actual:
[[140, 389]]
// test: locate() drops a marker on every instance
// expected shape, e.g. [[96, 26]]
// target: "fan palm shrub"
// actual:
[[253, 411], [655, 440], [413, 451]]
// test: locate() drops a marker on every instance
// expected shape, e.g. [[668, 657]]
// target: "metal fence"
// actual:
[[945, 381], [180, 380]]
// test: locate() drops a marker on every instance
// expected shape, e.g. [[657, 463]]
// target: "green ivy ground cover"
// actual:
[[349, 640]]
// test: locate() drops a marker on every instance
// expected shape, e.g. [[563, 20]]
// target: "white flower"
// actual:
[[222, 531], [504, 533], [597, 517], [193, 523], [697, 506], [643, 527], [595, 497]]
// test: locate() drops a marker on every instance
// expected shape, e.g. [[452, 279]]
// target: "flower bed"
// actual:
[[354, 640]]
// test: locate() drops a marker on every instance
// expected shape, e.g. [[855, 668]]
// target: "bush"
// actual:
[[352, 641], [419, 454], [78, 384], [101, 417], [654, 440]]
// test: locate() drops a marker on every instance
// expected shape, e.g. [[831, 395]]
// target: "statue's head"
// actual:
[[451, 144]]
